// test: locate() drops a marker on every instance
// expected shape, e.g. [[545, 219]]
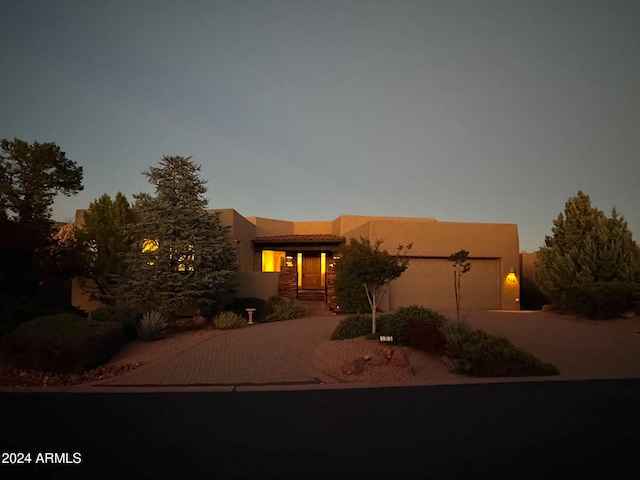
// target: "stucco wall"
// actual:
[[241, 233], [429, 282], [267, 227], [258, 284], [307, 228]]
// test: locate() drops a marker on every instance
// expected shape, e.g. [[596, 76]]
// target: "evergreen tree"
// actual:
[[102, 242], [180, 254], [585, 247]]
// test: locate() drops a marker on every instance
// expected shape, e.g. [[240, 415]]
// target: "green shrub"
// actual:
[[152, 326], [228, 320], [485, 355], [279, 308], [239, 306], [418, 312], [63, 343], [353, 326], [127, 317], [389, 324], [601, 300], [456, 336], [422, 335]]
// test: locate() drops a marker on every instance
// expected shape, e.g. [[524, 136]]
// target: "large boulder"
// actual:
[[356, 367], [399, 358]]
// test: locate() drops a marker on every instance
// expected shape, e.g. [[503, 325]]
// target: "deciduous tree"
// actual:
[[31, 175], [366, 264], [460, 267]]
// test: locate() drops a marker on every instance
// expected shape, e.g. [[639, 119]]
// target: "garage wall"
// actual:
[[429, 282]]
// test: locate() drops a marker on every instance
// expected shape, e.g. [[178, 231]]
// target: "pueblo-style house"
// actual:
[[295, 259]]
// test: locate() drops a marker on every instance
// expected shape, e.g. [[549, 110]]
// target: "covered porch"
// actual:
[[304, 262]]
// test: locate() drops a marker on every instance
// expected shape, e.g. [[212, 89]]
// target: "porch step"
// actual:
[[311, 295]]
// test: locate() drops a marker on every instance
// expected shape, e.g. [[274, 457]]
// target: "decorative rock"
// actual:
[[628, 315], [377, 360], [399, 358], [356, 367], [199, 320], [386, 352], [547, 308]]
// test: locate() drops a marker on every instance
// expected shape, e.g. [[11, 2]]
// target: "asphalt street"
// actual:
[[516, 430]]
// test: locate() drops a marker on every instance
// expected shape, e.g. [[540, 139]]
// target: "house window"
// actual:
[[149, 246], [185, 260], [272, 260]]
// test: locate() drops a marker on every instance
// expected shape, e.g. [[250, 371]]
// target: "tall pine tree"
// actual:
[[585, 247], [102, 242], [180, 255]]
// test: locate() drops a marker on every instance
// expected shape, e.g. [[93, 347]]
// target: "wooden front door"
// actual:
[[311, 271]]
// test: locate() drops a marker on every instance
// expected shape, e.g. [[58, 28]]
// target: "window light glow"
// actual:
[[272, 260], [299, 270]]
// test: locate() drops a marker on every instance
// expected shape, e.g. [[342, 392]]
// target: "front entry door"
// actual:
[[311, 271]]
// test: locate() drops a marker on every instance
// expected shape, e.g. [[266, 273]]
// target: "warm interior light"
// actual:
[[149, 246], [272, 260], [299, 256], [323, 267]]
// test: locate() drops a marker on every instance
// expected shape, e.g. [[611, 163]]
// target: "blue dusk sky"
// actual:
[[479, 110]]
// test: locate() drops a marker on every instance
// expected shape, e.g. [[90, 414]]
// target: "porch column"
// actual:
[[288, 282]]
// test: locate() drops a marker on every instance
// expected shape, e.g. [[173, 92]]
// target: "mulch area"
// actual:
[[11, 376]]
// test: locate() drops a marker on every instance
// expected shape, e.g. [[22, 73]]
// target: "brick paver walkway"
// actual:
[[262, 354]]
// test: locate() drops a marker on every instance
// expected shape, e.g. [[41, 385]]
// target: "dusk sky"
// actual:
[[483, 111]]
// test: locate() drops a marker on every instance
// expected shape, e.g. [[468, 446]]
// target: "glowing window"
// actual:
[[149, 246], [272, 260]]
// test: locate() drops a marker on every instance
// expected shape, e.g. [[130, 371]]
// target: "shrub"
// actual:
[[228, 320], [283, 309], [387, 324], [417, 312], [239, 306], [353, 326], [423, 335], [152, 326], [456, 336], [485, 355], [601, 300], [15, 311], [127, 317], [62, 343]]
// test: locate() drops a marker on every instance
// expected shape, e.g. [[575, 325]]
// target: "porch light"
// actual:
[[511, 276]]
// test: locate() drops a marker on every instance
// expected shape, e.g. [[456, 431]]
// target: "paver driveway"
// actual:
[[279, 353], [261, 354]]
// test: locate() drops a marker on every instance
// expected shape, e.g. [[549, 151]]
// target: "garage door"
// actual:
[[429, 282]]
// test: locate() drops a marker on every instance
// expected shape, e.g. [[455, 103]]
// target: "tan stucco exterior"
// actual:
[[493, 253]]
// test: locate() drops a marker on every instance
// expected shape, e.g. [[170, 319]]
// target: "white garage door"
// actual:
[[429, 282]]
